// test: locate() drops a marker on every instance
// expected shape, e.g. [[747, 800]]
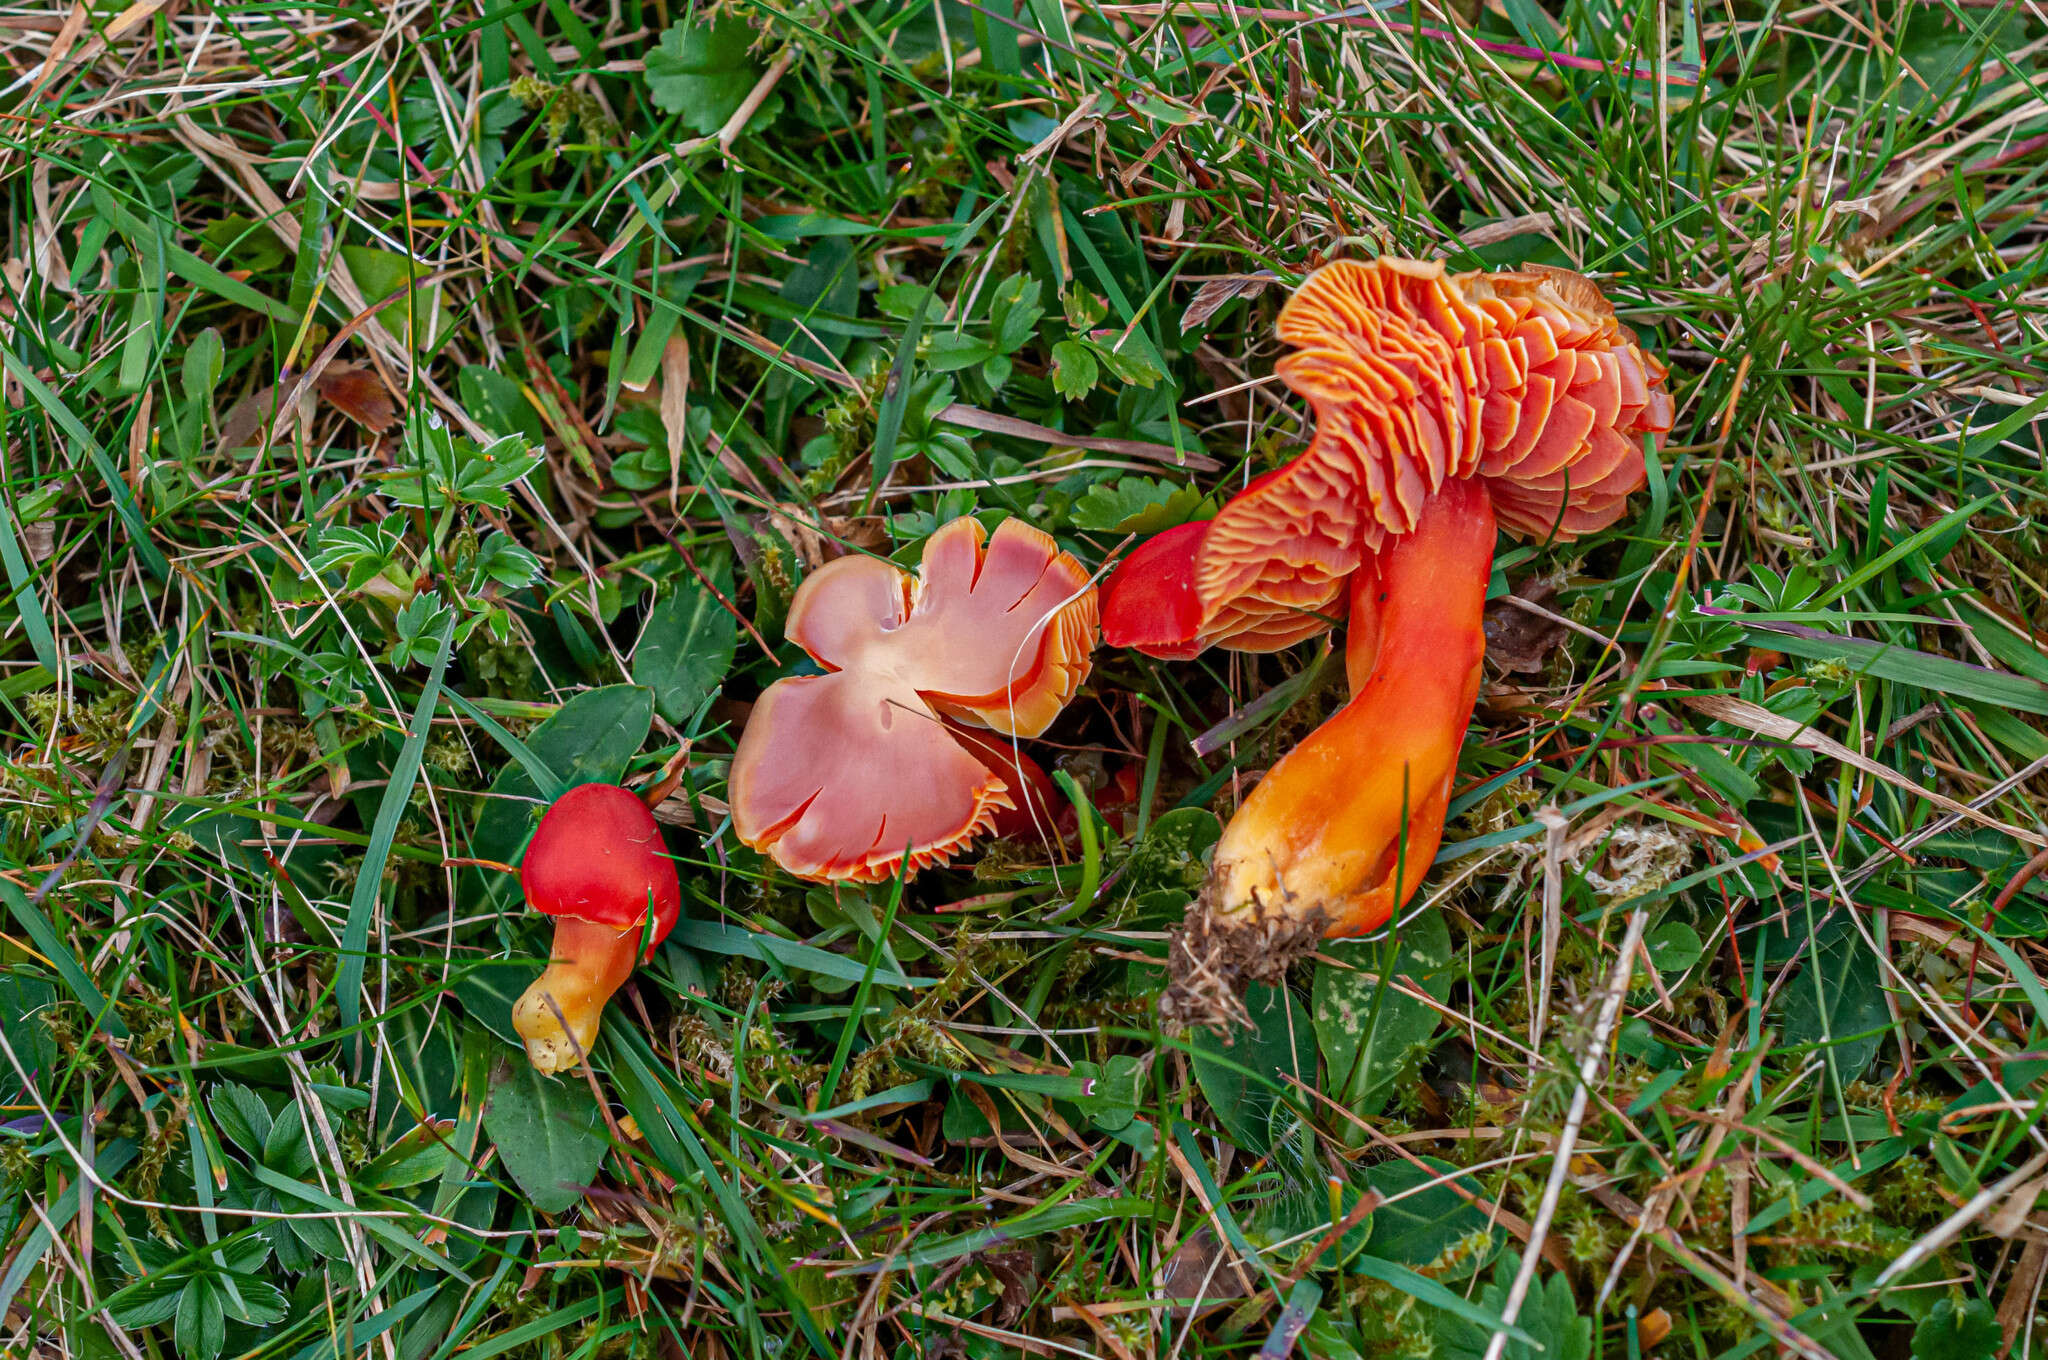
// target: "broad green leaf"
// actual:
[[1674, 947], [25, 998], [1550, 1317], [1244, 1078], [704, 72], [1417, 1228], [242, 1116], [1958, 1331], [686, 650], [1366, 1030], [201, 372], [1836, 1000], [549, 1133], [201, 1328], [495, 402], [951, 350]]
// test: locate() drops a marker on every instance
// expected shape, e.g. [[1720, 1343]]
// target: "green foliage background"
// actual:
[[410, 411]]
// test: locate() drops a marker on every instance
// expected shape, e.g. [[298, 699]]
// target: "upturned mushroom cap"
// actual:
[[853, 775], [597, 856], [1523, 380]]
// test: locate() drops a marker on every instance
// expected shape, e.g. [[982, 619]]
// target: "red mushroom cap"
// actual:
[[598, 856], [854, 775], [1149, 601]]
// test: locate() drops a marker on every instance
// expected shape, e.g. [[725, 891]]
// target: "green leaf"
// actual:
[[1243, 1080], [1138, 505], [241, 1115], [256, 1302], [1420, 1225], [201, 1328], [1958, 1331], [201, 373], [589, 740], [391, 806], [826, 283], [1015, 312], [417, 1157], [1904, 665], [36, 925], [1549, 1316], [24, 998], [1367, 1030], [1074, 370], [685, 651], [80, 437], [286, 1148], [495, 402], [952, 350], [704, 73], [1130, 365], [503, 559], [1674, 947], [489, 989], [549, 1134], [1837, 999], [1114, 1090]]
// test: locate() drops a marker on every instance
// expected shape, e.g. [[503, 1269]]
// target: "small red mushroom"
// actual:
[[857, 774], [596, 864], [1443, 404]]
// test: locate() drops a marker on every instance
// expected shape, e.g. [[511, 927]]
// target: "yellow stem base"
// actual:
[[558, 1016]]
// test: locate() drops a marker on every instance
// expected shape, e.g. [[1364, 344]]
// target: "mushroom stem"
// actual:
[[588, 963], [1340, 832]]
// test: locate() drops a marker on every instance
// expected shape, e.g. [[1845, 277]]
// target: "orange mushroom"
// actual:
[[1444, 404], [855, 775], [597, 865]]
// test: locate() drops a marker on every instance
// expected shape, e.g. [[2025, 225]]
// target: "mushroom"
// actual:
[[1444, 404], [597, 865], [860, 773]]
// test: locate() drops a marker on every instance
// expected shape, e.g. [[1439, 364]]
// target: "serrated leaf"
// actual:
[[1074, 370], [1138, 505], [1958, 1331], [1550, 1316], [201, 1329], [549, 1134], [1015, 312], [1129, 365], [704, 72], [503, 559]]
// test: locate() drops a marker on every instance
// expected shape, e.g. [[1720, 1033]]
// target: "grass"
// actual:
[[409, 409]]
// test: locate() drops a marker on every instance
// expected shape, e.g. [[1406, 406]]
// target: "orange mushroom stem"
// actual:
[[596, 864], [1339, 833]]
